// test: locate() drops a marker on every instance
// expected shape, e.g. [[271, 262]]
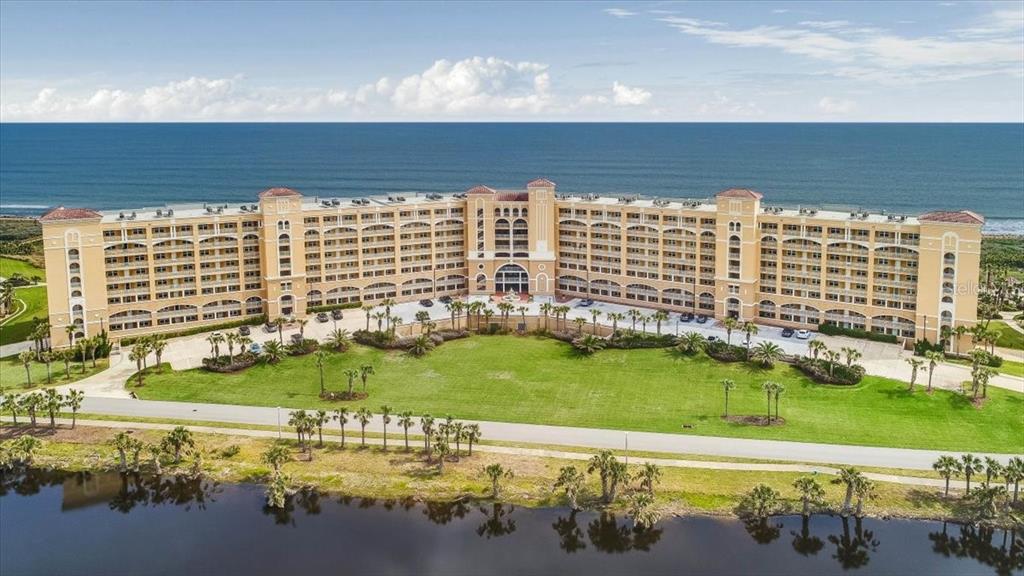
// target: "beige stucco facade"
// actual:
[[156, 270]]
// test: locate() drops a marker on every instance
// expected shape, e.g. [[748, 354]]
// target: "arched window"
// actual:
[[512, 278]]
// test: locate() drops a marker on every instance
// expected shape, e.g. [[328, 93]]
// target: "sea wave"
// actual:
[[1003, 227]]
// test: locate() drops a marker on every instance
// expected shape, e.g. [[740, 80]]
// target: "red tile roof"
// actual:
[[541, 183], [62, 213], [278, 193], [740, 193], [960, 217], [481, 189], [512, 196]]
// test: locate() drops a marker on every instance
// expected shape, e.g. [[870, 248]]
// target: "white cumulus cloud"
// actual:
[[623, 95], [619, 12], [475, 85], [830, 105]]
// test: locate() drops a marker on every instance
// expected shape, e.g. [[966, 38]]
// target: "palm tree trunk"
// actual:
[[847, 499]]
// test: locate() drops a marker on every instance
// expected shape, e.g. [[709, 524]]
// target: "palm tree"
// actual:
[[643, 322], [472, 434], [231, 338], [564, 311], [341, 416], [442, 450], [177, 440], [615, 317], [849, 477], [993, 469], [768, 387], [73, 400], [302, 327], [11, 404], [66, 356], [811, 493], [318, 419], [852, 355], [297, 419], [214, 340], [70, 330], [611, 472], [571, 481], [762, 501], [47, 359], [594, 315], [1014, 473], [750, 329], [273, 351], [816, 347], [933, 357], [427, 425], [865, 490], [691, 343], [421, 345], [729, 324], [915, 366], [832, 357], [92, 344], [580, 322], [26, 357], [280, 330], [160, 344], [780, 389], [387, 303], [352, 374], [405, 421], [650, 475], [385, 416], [959, 332], [321, 356], [488, 313], [364, 372], [767, 353], [980, 377], [588, 344], [496, 472], [504, 308], [52, 402], [634, 315], [727, 386], [363, 416], [659, 316], [30, 404], [339, 340], [137, 354], [971, 465], [368, 310], [947, 467], [545, 309], [275, 456]]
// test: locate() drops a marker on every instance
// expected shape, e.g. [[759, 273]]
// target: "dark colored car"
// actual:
[[337, 314], [244, 330], [270, 327], [322, 317], [686, 316], [445, 299], [586, 302], [296, 338], [702, 319], [787, 332], [426, 303], [714, 339]]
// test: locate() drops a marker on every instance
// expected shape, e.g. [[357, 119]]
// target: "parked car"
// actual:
[[445, 299], [787, 332], [702, 319], [270, 327], [296, 338], [244, 331], [426, 302], [337, 314], [803, 334], [255, 348], [713, 339], [686, 316], [586, 302], [322, 317]]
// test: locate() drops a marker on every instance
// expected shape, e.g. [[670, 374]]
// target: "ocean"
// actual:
[[903, 168]]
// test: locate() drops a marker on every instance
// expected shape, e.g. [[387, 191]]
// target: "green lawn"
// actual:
[[10, 266], [536, 380], [18, 328], [12, 373], [1008, 337]]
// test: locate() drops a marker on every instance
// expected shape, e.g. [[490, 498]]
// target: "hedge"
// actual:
[[329, 307], [833, 330], [818, 370], [251, 321], [724, 352]]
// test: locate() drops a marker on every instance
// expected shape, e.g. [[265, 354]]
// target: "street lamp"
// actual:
[[627, 449], [278, 422]]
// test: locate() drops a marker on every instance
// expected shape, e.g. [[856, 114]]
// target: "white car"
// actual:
[[803, 334]]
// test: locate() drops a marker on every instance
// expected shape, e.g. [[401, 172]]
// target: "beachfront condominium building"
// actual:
[[167, 269]]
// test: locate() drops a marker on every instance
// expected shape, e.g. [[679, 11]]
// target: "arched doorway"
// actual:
[[512, 277]]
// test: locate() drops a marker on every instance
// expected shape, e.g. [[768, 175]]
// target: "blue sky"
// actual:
[[628, 61]]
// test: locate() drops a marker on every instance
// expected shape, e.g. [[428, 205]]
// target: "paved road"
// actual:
[[563, 436]]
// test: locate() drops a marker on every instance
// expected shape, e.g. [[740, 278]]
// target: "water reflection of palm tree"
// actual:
[[763, 530], [976, 543], [607, 535], [570, 537], [445, 512], [805, 543], [496, 524], [853, 550], [308, 499]]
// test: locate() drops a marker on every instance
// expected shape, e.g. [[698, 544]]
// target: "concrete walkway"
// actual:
[[397, 444], [593, 438]]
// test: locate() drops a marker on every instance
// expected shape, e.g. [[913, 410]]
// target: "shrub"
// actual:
[[307, 346], [724, 352], [223, 365], [630, 340], [818, 370], [230, 451], [329, 307], [922, 346], [833, 330], [250, 321], [385, 341]]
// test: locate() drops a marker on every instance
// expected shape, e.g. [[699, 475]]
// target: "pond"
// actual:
[[63, 523]]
